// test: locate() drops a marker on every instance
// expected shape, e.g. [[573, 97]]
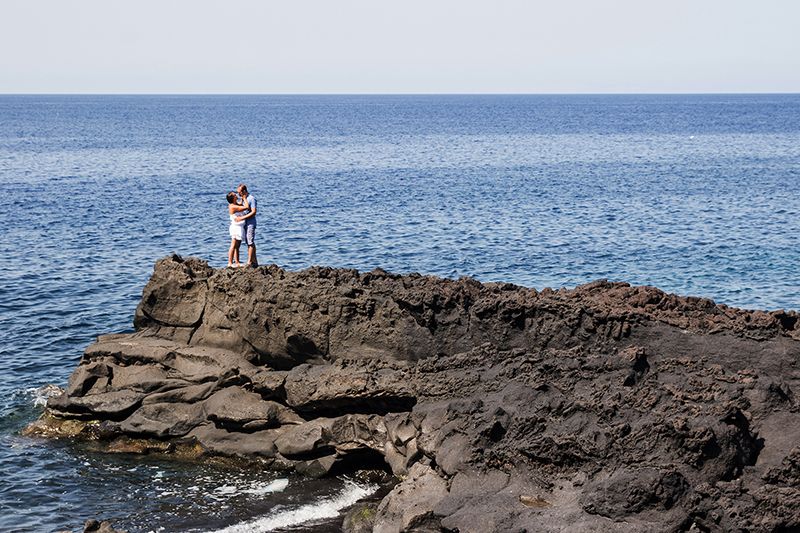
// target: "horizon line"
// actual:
[[654, 93]]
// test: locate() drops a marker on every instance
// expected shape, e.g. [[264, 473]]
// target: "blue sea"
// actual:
[[695, 194]]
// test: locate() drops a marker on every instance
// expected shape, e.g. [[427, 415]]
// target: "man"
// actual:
[[249, 218]]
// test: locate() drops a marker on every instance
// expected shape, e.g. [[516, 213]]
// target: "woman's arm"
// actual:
[[235, 208]]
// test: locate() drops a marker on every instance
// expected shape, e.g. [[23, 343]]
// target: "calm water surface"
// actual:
[[694, 194]]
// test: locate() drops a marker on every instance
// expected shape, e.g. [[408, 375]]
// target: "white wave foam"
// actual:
[[278, 485], [226, 490], [41, 394], [36, 395], [325, 508]]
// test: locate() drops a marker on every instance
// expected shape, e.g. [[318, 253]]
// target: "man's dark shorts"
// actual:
[[250, 234]]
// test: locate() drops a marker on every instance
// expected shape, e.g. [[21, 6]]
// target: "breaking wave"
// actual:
[[329, 507]]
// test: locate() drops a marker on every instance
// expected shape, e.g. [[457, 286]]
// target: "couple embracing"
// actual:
[[242, 212]]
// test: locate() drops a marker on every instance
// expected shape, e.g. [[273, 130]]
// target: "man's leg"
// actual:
[[250, 232], [251, 256]]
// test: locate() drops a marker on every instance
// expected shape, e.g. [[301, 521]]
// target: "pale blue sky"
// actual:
[[409, 46]]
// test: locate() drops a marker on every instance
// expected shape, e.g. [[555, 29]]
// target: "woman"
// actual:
[[235, 207]]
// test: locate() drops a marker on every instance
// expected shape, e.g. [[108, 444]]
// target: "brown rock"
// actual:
[[178, 296], [233, 443], [103, 405], [601, 408], [410, 505], [306, 438], [233, 407], [93, 526], [164, 419]]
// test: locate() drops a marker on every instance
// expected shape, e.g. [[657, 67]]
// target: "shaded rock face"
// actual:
[[603, 408], [93, 526]]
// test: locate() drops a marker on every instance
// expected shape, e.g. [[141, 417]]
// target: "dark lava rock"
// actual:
[[500, 408], [93, 526]]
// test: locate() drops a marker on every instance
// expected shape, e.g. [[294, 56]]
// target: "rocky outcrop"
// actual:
[[93, 526], [500, 408]]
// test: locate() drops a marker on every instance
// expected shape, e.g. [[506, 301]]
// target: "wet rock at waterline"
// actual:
[[500, 408]]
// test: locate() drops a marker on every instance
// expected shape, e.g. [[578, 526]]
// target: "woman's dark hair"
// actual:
[[231, 196]]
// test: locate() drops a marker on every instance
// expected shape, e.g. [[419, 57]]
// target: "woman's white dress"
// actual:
[[237, 228]]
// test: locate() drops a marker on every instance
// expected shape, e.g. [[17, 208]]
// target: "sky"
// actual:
[[409, 46]]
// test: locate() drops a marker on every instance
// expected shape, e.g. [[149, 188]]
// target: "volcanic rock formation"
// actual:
[[500, 408]]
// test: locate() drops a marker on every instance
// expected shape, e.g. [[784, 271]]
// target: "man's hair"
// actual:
[[243, 187], [231, 196]]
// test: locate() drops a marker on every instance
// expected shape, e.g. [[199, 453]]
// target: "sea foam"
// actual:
[[321, 509], [36, 395], [260, 489]]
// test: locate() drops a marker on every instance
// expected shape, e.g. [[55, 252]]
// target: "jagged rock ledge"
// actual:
[[500, 408]]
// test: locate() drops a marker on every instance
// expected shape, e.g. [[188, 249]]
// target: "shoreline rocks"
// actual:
[[606, 407]]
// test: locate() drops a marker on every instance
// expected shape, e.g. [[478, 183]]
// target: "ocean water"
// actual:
[[694, 194]]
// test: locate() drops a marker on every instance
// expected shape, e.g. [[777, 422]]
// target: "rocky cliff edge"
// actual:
[[499, 408]]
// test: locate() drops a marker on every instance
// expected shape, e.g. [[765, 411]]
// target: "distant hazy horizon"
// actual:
[[417, 47], [711, 93]]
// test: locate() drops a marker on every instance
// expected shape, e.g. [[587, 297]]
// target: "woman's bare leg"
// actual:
[[238, 247], [233, 251]]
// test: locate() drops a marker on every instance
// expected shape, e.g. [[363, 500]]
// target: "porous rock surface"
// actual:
[[500, 408]]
